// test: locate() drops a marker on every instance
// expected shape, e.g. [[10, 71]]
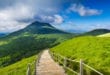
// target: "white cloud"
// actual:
[[54, 19], [72, 26], [10, 26], [16, 13], [10, 17], [21, 12], [100, 26], [84, 11], [58, 19]]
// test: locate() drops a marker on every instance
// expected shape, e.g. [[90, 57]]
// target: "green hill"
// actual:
[[104, 35], [38, 28], [94, 51], [20, 67], [97, 32], [29, 41]]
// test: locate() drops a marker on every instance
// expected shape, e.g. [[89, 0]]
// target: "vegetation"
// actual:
[[24, 46], [94, 51], [17, 47], [104, 35], [97, 32], [20, 67]]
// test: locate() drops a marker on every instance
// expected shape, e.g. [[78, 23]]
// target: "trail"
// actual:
[[47, 66]]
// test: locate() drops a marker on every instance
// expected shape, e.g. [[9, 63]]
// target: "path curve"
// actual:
[[47, 66]]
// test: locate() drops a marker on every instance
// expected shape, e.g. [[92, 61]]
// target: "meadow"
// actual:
[[20, 67], [94, 51]]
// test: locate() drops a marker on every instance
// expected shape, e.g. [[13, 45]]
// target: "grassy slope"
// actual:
[[94, 51], [18, 68], [105, 35], [25, 45], [29, 41], [14, 49], [59, 37]]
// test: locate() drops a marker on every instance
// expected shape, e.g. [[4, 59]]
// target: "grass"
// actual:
[[26, 43], [105, 35], [59, 37], [94, 51], [14, 49], [19, 68]]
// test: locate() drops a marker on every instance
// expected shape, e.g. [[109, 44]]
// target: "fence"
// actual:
[[74, 67], [29, 70]]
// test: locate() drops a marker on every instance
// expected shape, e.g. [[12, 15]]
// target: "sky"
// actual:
[[69, 15]]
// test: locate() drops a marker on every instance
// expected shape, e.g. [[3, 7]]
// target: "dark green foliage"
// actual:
[[23, 47], [29, 41]]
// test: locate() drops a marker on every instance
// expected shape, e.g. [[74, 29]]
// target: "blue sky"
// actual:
[[69, 15]]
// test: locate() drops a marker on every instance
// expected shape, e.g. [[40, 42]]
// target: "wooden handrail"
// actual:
[[92, 69], [28, 70], [80, 62]]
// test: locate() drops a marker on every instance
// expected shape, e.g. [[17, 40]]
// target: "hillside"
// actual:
[[93, 50], [38, 28], [20, 67], [96, 32], [104, 35], [29, 41]]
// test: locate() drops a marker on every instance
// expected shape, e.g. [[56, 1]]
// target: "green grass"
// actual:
[[28, 42], [94, 51], [105, 35], [19, 68], [59, 37], [25, 45], [14, 49]]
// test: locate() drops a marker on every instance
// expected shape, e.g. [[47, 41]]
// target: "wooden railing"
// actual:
[[29, 71], [76, 67]]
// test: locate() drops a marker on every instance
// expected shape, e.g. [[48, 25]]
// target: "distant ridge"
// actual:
[[97, 32], [2, 34], [104, 35]]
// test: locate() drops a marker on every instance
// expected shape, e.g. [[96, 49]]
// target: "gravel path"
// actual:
[[47, 66]]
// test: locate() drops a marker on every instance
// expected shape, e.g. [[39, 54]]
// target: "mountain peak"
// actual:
[[39, 28], [36, 23]]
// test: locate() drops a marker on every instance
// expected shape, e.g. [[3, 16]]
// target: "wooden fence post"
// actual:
[[35, 67], [65, 62], [28, 70], [81, 67]]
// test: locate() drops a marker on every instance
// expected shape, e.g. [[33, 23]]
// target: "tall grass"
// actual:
[[94, 51]]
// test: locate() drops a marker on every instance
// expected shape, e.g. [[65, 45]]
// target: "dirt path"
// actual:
[[47, 66]]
